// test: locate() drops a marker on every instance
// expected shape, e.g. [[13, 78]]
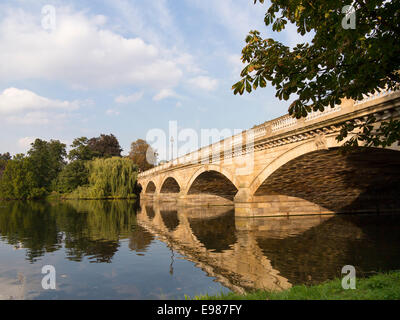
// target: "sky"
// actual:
[[131, 68]]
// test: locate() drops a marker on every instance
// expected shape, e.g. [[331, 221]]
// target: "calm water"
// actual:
[[114, 250]]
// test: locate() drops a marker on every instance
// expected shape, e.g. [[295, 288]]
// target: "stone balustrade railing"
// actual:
[[284, 123], [318, 114], [254, 134], [372, 96]]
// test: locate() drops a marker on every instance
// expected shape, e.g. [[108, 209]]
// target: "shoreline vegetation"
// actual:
[[55, 196], [383, 286], [95, 170], [102, 179]]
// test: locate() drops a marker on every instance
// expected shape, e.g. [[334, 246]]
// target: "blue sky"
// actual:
[[126, 67]]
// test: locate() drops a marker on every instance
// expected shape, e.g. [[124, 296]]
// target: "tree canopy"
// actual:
[[340, 62], [80, 150], [109, 178], [143, 155], [72, 176], [19, 180], [44, 169], [3, 161], [105, 146], [5, 156], [48, 160]]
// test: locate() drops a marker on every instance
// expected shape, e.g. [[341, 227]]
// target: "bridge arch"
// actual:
[[298, 151], [213, 180], [215, 168], [363, 180], [302, 149], [170, 185], [151, 188]]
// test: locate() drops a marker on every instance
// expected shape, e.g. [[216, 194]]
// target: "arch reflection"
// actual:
[[275, 253]]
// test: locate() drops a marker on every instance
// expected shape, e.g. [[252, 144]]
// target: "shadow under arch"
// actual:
[[363, 180], [304, 148], [151, 188], [212, 182], [170, 185]]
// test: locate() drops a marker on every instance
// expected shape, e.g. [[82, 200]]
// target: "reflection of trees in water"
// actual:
[[217, 234], [30, 225], [140, 239], [90, 228], [370, 243]]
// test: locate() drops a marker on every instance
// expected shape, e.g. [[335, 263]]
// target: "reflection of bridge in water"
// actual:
[[273, 253], [289, 167]]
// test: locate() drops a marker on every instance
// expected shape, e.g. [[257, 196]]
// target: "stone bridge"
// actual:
[[288, 167]]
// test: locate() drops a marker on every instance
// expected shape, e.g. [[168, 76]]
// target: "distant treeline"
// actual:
[[95, 170]]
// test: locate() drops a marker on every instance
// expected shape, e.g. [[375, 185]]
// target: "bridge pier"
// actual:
[[248, 205], [243, 196], [243, 203], [278, 205]]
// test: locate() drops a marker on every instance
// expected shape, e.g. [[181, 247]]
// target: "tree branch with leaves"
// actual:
[[338, 63]]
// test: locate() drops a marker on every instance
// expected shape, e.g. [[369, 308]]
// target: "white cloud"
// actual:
[[129, 99], [80, 51], [24, 107], [187, 61], [205, 83], [164, 94], [14, 100]]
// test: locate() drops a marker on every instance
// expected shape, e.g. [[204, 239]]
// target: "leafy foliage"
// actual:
[[80, 150], [73, 175], [339, 63], [105, 146], [19, 180], [143, 155], [44, 169], [109, 178], [3, 162], [6, 156], [47, 160], [31, 177], [370, 135]]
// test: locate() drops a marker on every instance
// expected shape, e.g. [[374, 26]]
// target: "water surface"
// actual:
[[117, 250]]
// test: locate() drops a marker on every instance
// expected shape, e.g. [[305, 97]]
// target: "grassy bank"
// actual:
[[385, 286]]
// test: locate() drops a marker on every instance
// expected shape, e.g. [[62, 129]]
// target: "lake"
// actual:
[[120, 250]]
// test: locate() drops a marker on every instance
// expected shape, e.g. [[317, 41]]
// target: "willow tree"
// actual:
[[355, 51], [109, 178]]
